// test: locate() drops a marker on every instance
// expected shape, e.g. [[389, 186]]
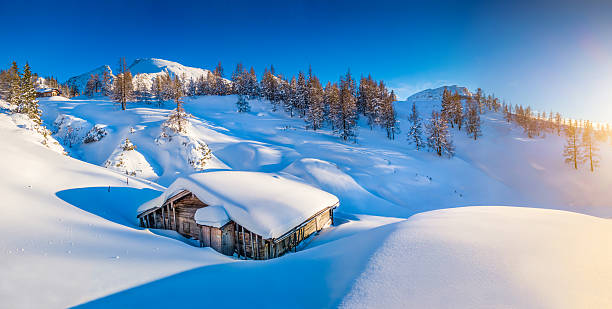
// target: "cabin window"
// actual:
[[185, 227]]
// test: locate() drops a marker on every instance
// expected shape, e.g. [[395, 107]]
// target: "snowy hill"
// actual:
[[80, 81], [144, 70], [417, 247], [435, 95]]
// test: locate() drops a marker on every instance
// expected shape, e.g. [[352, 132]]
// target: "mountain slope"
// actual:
[[435, 95], [80, 81]]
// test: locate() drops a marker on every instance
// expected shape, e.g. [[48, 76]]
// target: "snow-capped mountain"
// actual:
[[80, 81], [144, 70], [436, 94]]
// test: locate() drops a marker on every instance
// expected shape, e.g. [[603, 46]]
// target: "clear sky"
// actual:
[[550, 55]]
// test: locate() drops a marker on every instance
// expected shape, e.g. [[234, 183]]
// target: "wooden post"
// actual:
[[252, 245], [237, 246], [257, 246], [201, 236], [163, 218], [174, 215], [243, 242]]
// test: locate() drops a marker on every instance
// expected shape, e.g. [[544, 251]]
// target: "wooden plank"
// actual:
[[163, 218], [243, 242], [174, 215]]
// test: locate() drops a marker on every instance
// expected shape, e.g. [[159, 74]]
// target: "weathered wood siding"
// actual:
[[178, 214]]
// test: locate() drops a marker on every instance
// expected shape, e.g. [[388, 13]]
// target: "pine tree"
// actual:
[[242, 104], [239, 80], [438, 137], [415, 131], [346, 125], [252, 86], [14, 94], [178, 118], [301, 94], [571, 150], [27, 102], [590, 150], [473, 119]]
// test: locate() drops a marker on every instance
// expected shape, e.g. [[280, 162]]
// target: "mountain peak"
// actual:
[[436, 93]]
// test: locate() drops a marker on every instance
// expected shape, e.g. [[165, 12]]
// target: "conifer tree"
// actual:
[[457, 110], [590, 150], [479, 97], [301, 94], [252, 86], [242, 104], [14, 94], [415, 131], [27, 103], [571, 150], [123, 88], [473, 119], [332, 102], [346, 120], [316, 106], [178, 118], [438, 137], [447, 106], [107, 84]]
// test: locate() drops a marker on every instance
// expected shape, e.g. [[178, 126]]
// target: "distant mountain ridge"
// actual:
[[435, 94], [143, 71]]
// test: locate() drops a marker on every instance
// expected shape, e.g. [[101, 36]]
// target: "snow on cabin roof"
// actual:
[[266, 204], [212, 216]]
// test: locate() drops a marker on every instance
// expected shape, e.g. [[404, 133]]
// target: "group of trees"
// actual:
[[19, 90]]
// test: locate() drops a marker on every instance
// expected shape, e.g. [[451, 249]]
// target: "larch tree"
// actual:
[[178, 118], [457, 110], [447, 106], [590, 150], [14, 93], [415, 129], [123, 88], [472, 119], [571, 150], [438, 136], [316, 104]]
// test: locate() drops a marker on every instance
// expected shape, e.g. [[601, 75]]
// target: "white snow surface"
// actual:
[[214, 216], [69, 229], [266, 204]]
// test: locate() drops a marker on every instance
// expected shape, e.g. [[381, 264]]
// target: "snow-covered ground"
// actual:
[[70, 230]]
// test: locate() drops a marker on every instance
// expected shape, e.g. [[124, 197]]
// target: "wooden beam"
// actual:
[[243, 242], [236, 245], [163, 218], [252, 246]]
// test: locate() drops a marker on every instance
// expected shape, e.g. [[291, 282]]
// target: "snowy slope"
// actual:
[[61, 220]]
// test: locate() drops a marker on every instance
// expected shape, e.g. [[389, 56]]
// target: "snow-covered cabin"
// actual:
[[255, 215], [47, 92]]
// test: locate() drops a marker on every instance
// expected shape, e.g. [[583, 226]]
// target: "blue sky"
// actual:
[[550, 55]]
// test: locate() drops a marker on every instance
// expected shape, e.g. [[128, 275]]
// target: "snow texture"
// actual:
[[214, 216]]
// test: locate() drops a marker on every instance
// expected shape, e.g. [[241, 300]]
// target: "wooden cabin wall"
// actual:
[[185, 209]]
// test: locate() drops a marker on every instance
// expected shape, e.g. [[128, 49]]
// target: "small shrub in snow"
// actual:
[[95, 134], [243, 105], [127, 145]]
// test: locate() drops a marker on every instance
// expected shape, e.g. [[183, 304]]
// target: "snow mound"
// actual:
[[40, 133], [266, 204], [96, 133], [489, 257], [249, 156], [354, 198], [215, 216], [126, 160], [70, 130], [435, 95]]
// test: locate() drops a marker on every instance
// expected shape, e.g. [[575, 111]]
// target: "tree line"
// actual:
[[338, 104]]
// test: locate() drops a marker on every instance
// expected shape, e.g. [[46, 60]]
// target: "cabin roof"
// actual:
[[266, 204]]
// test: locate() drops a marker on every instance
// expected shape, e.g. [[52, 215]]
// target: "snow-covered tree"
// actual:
[[415, 129], [438, 137], [242, 104], [346, 120], [27, 103], [316, 104]]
